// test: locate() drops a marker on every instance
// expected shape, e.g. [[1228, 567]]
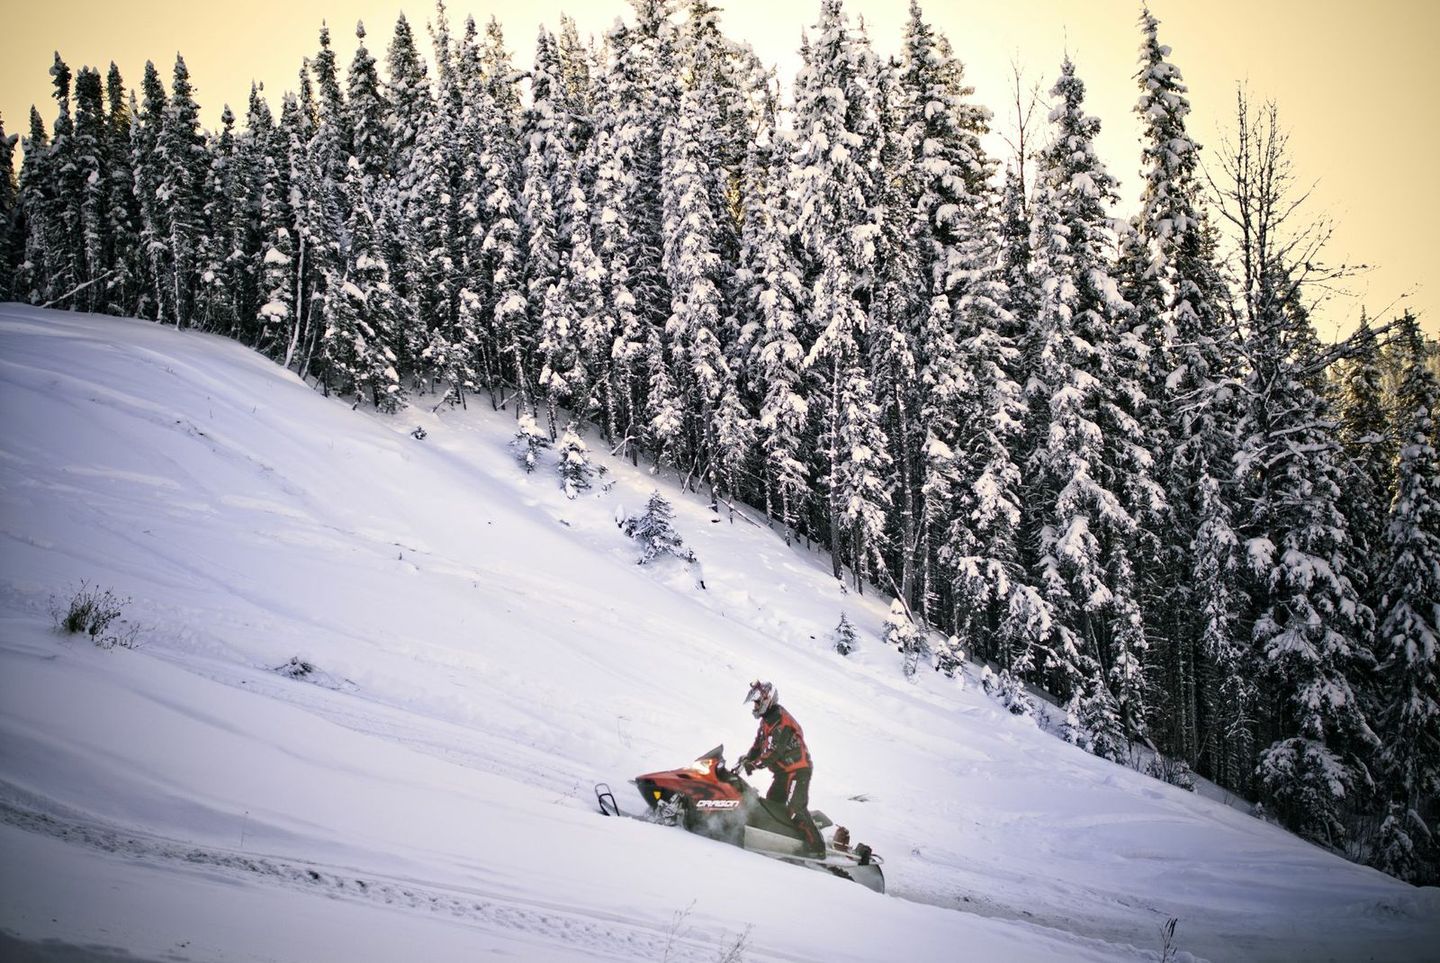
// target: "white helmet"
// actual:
[[764, 695]]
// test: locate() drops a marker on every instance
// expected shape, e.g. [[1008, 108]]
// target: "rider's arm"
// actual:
[[754, 755]]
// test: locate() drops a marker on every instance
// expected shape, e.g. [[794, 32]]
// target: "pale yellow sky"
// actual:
[[1354, 82]]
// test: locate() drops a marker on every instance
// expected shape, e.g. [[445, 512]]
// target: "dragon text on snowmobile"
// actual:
[[707, 798]]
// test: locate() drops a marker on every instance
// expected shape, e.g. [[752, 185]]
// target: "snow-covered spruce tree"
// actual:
[[472, 326], [594, 325], [502, 267], [843, 637], [441, 348], [1080, 525], [694, 270], [1177, 311], [970, 409], [895, 310], [33, 188], [655, 531], [183, 165], [1308, 629], [902, 632], [319, 218], [530, 440], [11, 239], [408, 95], [1409, 636], [774, 300], [547, 175], [1008, 690], [57, 203], [242, 263], [122, 209], [367, 107], [411, 102], [222, 192], [146, 131], [1369, 457], [836, 226], [642, 88], [574, 464], [949, 655], [91, 163], [278, 279], [622, 394], [361, 309]]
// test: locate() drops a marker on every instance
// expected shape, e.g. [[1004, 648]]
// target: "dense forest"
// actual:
[[1110, 458]]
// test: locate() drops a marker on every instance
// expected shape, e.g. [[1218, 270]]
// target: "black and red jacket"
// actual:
[[779, 743]]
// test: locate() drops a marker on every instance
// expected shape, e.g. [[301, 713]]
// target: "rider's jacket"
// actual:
[[779, 743]]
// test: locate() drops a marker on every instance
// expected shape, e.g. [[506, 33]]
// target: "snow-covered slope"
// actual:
[[485, 651]]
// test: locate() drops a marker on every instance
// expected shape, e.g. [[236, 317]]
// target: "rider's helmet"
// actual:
[[763, 694]]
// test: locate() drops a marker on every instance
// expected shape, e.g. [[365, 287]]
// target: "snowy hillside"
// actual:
[[484, 650]]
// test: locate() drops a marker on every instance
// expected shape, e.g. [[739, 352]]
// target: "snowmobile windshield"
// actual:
[[711, 760]]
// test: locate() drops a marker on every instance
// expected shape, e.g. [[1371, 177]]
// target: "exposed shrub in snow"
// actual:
[[302, 670], [574, 467], [96, 613], [296, 668], [844, 636], [653, 531], [530, 441]]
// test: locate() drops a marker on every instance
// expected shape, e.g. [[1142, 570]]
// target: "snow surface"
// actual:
[[484, 650]]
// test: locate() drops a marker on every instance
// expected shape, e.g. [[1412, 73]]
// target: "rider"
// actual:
[[780, 747]]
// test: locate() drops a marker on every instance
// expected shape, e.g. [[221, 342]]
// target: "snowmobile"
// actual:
[[707, 798]]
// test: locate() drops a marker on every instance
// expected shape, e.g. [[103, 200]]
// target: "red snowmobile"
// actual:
[[707, 798]]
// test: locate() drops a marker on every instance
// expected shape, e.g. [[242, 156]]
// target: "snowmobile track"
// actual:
[[601, 934]]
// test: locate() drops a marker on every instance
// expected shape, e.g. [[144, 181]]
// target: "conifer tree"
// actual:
[[530, 439], [183, 163], [836, 225], [362, 311], [844, 636], [901, 632], [623, 391], [574, 464], [774, 302], [33, 188], [1308, 629], [368, 110], [91, 171], [654, 529], [147, 132], [11, 225], [502, 267], [1177, 302], [1409, 635], [1369, 456], [692, 262], [122, 212], [641, 85], [408, 94], [1082, 440], [221, 193], [58, 205]]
